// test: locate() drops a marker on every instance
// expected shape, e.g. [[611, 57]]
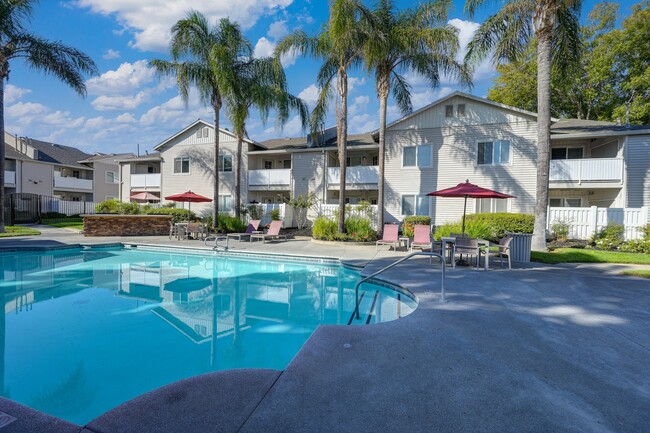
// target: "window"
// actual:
[[225, 163], [493, 152], [268, 165], [491, 205], [206, 131], [353, 161], [76, 174], [111, 177], [419, 156], [460, 110], [566, 153], [181, 165], [225, 203], [449, 111], [286, 163], [375, 160], [415, 205], [150, 169], [565, 202], [202, 132]]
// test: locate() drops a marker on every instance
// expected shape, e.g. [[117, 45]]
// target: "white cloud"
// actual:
[[25, 110], [174, 112], [14, 93], [359, 104], [362, 123], [125, 118], [263, 48], [309, 94], [111, 54], [150, 20], [293, 128], [125, 79], [119, 102], [427, 96], [466, 30], [278, 29]]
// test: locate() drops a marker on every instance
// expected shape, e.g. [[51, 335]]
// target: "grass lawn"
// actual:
[[77, 225], [637, 273], [576, 255], [18, 231]]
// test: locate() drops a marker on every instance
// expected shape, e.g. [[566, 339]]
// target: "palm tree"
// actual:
[[554, 26], [417, 40], [261, 84], [62, 61], [340, 47], [205, 57]]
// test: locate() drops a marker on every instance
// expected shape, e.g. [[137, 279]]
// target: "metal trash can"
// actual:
[[520, 246]]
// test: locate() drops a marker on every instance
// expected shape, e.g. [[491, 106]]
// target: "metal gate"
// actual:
[[24, 208]]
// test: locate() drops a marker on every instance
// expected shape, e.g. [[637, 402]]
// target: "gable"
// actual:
[[477, 111], [191, 136]]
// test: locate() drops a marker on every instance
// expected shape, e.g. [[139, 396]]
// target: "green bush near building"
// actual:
[[489, 226]]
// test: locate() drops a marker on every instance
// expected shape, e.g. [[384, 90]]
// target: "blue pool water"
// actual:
[[86, 330]]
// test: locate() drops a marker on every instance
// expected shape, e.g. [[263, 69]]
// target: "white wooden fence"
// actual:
[[332, 211], [585, 221], [286, 214]]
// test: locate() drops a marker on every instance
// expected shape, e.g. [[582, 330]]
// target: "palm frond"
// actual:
[[401, 93], [55, 58], [567, 44]]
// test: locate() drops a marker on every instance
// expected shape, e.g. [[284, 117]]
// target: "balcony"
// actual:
[[361, 177], [274, 179], [145, 180], [61, 182], [10, 178], [587, 170]]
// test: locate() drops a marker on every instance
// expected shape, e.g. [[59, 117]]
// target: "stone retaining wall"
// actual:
[[126, 225]]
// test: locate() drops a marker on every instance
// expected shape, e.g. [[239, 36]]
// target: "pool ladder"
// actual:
[[216, 239], [357, 300]]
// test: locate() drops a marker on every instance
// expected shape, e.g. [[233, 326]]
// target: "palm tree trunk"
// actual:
[[2, 156], [544, 28], [216, 106], [237, 201], [383, 102], [342, 140]]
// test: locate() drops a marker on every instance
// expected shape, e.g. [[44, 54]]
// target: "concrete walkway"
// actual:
[[539, 348]]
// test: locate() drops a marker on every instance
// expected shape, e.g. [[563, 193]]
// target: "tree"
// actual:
[[54, 58], [340, 47], [205, 57], [261, 84], [506, 36], [417, 40]]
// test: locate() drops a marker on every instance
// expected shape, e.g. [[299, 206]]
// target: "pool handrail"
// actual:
[[385, 268]]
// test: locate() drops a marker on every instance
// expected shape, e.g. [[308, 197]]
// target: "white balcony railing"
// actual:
[[10, 177], [359, 175], [145, 180], [587, 170], [277, 177], [73, 183]]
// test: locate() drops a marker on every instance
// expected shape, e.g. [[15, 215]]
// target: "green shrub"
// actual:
[[108, 206], [255, 211], [473, 229], [359, 229], [638, 246], [178, 215], [230, 224], [560, 229], [411, 221], [324, 229], [609, 237], [500, 224], [132, 208], [645, 232], [275, 214]]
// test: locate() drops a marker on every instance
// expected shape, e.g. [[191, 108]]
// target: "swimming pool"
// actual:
[[87, 329]]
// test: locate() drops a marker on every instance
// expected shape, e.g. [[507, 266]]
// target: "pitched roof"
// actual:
[[301, 142], [192, 125], [11, 153], [103, 156], [153, 156], [581, 126], [58, 153]]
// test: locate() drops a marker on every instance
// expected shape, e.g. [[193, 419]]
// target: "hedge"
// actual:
[[358, 229], [178, 215], [489, 226], [411, 221]]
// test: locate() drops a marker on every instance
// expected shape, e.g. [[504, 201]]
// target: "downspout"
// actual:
[[324, 199]]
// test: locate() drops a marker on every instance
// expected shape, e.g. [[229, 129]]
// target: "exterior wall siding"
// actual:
[[308, 174], [125, 181], [454, 160], [637, 164], [101, 188]]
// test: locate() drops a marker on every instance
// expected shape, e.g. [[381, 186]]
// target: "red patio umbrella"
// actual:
[[467, 189], [144, 196], [188, 197]]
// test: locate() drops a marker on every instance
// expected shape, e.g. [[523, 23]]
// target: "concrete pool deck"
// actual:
[[539, 348]]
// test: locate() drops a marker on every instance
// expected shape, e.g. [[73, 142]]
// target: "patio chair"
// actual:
[[252, 227], [422, 239], [271, 234], [504, 250], [195, 230], [467, 246], [390, 236]]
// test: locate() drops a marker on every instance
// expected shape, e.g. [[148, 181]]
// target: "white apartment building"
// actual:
[[456, 138]]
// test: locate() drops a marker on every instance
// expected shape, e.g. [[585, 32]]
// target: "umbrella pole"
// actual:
[[464, 212]]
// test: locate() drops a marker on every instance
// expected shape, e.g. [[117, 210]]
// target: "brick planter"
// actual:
[[126, 225]]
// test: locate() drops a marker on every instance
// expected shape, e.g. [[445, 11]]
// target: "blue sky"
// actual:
[[127, 104]]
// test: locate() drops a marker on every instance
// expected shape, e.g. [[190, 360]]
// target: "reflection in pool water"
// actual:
[[86, 330]]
